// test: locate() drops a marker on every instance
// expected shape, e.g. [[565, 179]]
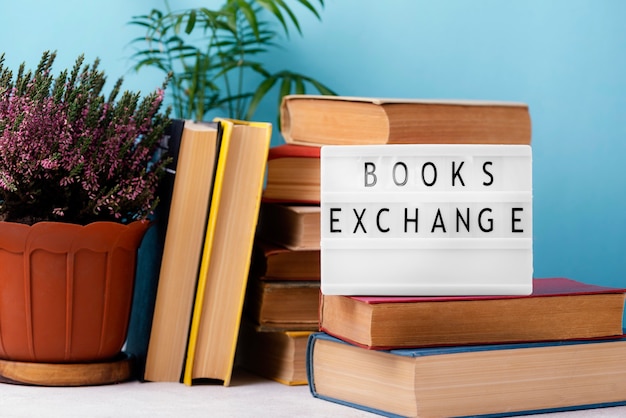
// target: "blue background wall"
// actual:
[[565, 58]]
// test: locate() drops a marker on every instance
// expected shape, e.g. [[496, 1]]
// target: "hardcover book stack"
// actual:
[[282, 299], [435, 343]]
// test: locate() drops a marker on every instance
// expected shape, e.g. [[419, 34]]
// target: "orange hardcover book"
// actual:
[[316, 120], [293, 174], [276, 355], [470, 380], [296, 227], [558, 309], [273, 262], [281, 305]]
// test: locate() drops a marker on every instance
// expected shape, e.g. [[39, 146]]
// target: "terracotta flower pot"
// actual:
[[66, 290]]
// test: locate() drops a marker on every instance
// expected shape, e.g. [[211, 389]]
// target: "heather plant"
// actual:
[[69, 154]]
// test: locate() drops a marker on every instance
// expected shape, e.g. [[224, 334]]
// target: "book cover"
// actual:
[[489, 380], [558, 308], [199, 149], [316, 120], [227, 256]]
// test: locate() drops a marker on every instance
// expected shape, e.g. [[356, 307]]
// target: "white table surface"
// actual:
[[248, 396]]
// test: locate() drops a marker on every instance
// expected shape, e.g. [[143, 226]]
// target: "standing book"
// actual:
[[193, 184], [558, 308], [151, 253], [342, 120], [227, 254], [498, 379]]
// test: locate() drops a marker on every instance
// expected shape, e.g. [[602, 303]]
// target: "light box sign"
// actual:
[[426, 220]]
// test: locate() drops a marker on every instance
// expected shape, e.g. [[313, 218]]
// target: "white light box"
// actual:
[[426, 220]]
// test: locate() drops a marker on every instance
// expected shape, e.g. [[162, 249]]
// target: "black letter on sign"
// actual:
[[489, 220], [457, 173], [407, 219], [369, 174], [381, 229], [515, 219], [434, 180], [465, 221], [358, 221], [406, 174], [333, 220], [438, 222], [488, 173]]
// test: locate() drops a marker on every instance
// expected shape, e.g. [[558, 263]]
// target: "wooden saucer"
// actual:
[[117, 370]]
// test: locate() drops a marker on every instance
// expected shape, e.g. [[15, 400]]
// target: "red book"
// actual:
[[293, 174], [558, 309]]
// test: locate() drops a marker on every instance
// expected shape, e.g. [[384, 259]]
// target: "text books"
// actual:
[[335, 120]]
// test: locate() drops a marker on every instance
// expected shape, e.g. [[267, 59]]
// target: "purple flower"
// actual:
[[67, 153]]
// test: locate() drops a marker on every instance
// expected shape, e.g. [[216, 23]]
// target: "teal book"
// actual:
[[478, 380], [151, 252]]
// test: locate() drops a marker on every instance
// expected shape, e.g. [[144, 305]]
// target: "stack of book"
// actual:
[[560, 347], [282, 300]]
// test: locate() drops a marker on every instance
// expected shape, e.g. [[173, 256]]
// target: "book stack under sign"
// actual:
[[282, 299], [428, 302]]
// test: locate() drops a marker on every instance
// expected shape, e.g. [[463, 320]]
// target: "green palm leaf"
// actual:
[[209, 54]]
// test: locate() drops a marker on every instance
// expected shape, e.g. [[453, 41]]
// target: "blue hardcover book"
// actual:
[[479, 380]]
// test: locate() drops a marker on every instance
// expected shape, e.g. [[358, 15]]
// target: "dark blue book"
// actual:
[[478, 380], [151, 252]]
